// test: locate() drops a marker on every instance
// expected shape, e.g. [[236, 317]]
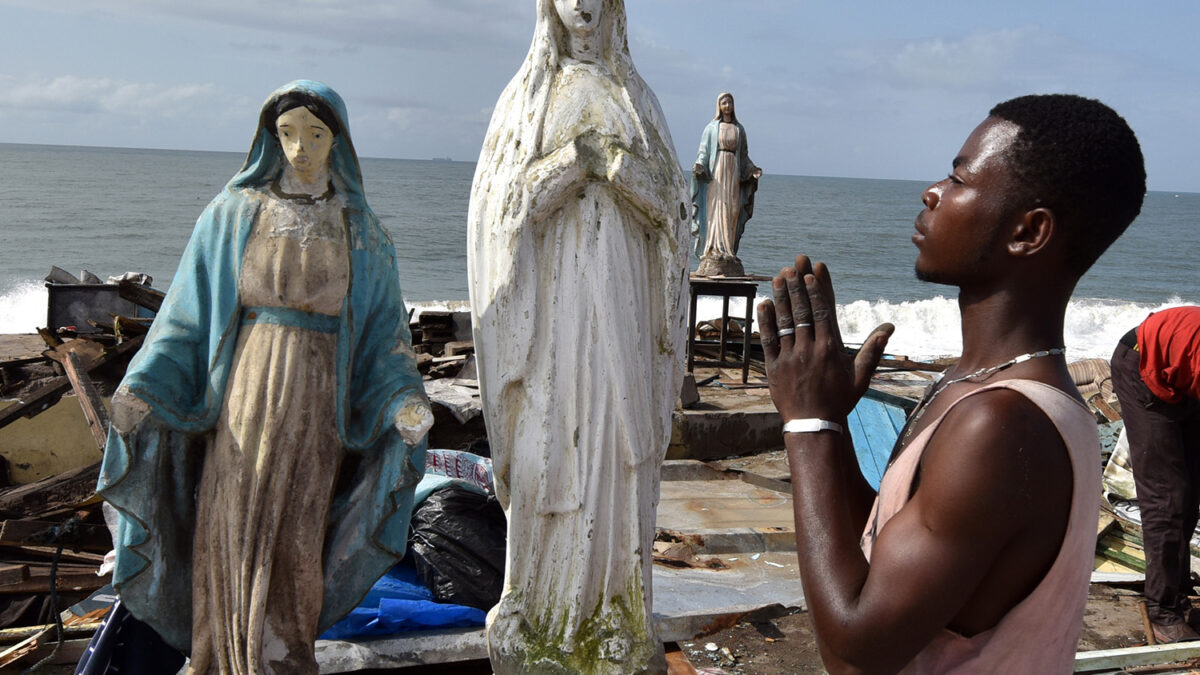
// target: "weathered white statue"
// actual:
[[578, 256]]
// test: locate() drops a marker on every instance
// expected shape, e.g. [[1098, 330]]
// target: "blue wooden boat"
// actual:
[[875, 424]]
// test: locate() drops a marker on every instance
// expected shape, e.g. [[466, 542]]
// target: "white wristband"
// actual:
[[809, 425]]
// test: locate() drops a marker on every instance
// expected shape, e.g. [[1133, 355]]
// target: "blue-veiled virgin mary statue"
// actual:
[[724, 181], [268, 436]]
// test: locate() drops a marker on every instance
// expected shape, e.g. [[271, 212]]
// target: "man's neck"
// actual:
[[1002, 324]]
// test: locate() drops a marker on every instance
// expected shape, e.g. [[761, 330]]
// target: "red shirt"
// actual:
[[1169, 342]]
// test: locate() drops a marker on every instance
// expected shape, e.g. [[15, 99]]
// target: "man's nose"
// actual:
[[931, 195]]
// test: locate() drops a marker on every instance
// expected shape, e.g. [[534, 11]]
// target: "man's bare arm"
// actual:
[[931, 557]]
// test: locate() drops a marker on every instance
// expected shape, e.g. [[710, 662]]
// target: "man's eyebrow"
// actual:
[[957, 161]]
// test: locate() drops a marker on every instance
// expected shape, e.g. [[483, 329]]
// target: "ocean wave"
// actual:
[[925, 329], [23, 307], [929, 329]]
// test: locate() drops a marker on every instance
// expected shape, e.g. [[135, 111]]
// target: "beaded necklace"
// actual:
[[938, 387]]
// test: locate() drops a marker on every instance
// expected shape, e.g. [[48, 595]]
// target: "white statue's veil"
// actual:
[[500, 200], [514, 135]]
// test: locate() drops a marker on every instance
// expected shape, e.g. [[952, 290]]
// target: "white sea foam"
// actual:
[[927, 329], [23, 307]]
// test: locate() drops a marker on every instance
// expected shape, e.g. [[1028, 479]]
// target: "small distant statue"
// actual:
[[267, 438], [578, 254], [724, 181]]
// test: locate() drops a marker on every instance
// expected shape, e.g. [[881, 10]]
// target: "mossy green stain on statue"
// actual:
[[547, 648]]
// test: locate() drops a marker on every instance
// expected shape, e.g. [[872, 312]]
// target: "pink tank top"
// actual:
[[1038, 635]]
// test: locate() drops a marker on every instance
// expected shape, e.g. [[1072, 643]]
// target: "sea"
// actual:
[[117, 210]]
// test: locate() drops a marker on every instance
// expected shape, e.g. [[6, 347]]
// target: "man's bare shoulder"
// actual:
[[992, 436]]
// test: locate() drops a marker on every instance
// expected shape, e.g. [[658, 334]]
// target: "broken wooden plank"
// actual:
[[49, 393], [87, 581], [68, 488], [1130, 657], [1098, 402], [89, 398], [74, 630], [49, 337], [21, 649], [128, 327], [42, 532], [89, 350], [11, 574], [141, 295], [107, 327]]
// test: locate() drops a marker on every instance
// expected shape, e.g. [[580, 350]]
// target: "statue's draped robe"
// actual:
[[151, 473], [730, 181], [578, 295]]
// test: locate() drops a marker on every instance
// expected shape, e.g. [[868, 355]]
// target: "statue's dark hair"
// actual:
[[300, 99], [1079, 158]]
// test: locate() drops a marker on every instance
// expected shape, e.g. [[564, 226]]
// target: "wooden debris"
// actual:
[[89, 399], [141, 295], [458, 348], [21, 649], [1100, 405], [129, 327], [78, 627], [11, 574], [45, 532], [88, 350], [1110, 660], [67, 489], [49, 393], [49, 337], [1146, 625], [86, 581]]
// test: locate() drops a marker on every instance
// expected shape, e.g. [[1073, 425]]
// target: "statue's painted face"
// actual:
[[579, 16], [726, 106], [305, 140]]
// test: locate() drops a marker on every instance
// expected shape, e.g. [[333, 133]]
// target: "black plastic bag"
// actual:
[[457, 544]]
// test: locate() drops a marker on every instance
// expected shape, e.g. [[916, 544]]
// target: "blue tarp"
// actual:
[[399, 602]]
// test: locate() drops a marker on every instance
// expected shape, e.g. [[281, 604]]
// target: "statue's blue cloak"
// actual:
[[150, 474]]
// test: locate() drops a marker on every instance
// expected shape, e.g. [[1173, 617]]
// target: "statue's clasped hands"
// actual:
[[809, 372]]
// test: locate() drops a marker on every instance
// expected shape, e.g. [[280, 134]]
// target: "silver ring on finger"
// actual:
[[801, 325], [786, 331]]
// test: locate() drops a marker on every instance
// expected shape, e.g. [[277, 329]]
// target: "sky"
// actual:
[[882, 90]]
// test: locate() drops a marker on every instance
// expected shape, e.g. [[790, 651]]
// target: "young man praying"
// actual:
[[976, 554]]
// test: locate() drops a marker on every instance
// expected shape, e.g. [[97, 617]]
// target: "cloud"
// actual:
[[87, 95], [977, 60], [416, 25]]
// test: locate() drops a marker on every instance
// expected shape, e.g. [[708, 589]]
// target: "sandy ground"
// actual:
[[787, 644]]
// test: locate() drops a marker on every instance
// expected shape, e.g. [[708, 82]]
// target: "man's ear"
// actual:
[[1033, 232]]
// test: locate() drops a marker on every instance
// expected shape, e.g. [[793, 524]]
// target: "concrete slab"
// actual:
[[688, 603], [747, 527], [726, 516], [15, 346]]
